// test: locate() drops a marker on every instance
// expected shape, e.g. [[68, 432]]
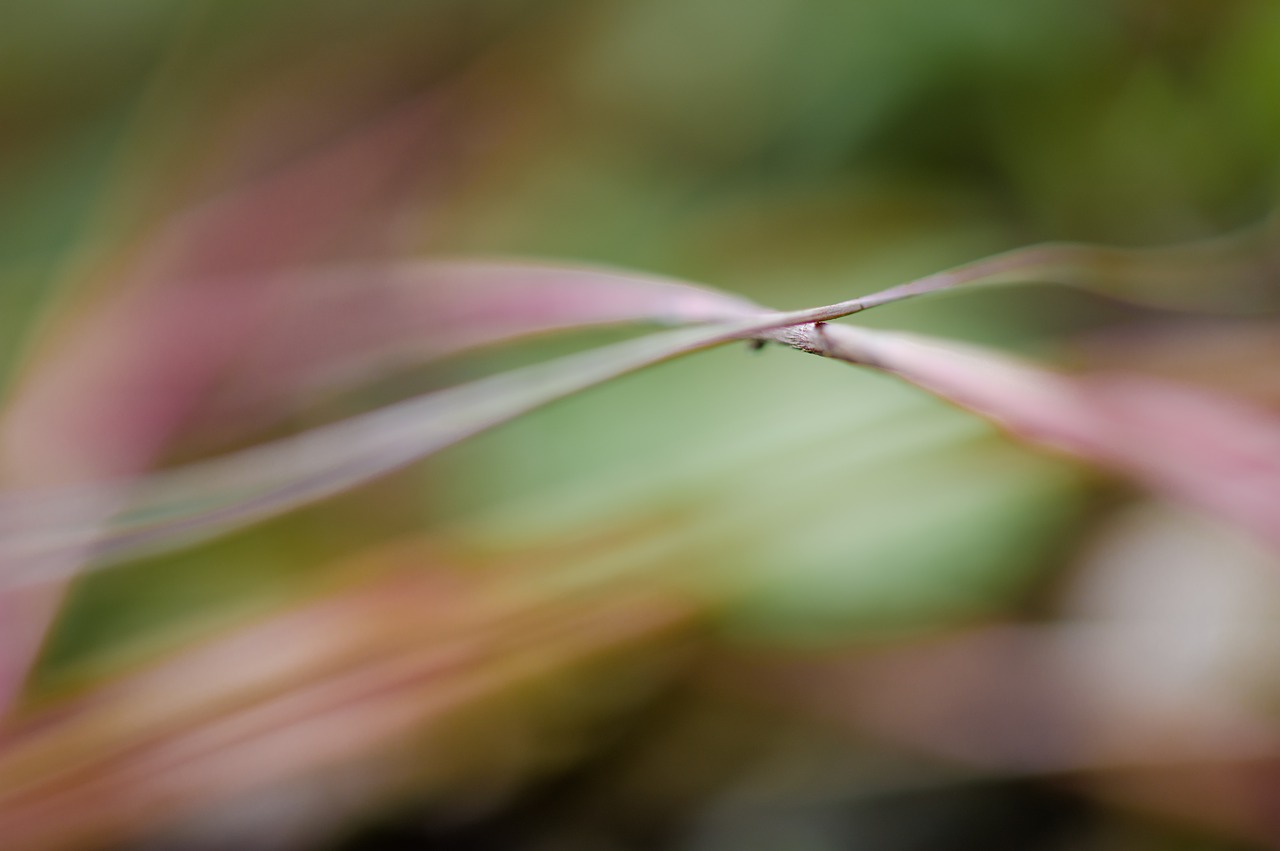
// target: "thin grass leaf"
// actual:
[[190, 504], [1216, 453], [353, 322], [1231, 274], [44, 535], [342, 326], [174, 508]]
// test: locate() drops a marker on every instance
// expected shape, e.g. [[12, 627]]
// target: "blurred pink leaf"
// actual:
[[438, 682], [112, 387], [1157, 666], [1020, 698], [1236, 358], [109, 390]]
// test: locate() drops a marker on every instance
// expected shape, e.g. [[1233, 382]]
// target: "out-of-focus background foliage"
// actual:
[[742, 600]]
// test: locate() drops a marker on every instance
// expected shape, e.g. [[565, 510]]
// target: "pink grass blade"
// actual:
[[47, 534], [174, 508], [1214, 452], [343, 325], [1039, 406]]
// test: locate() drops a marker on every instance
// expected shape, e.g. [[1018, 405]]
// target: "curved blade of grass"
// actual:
[[48, 534], [354, 321], [341, 326], [1238, 273], [188, 504], [203, 500], [1213, 452]]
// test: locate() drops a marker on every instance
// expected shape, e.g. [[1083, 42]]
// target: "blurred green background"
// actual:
[[796, 151]]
